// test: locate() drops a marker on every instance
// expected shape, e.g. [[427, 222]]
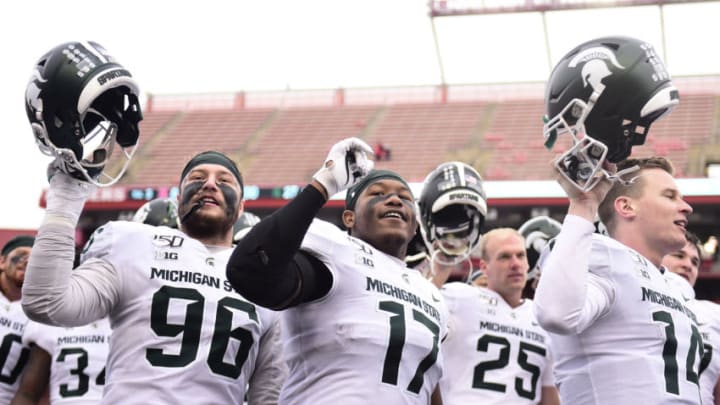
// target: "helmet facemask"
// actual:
[[582, 163], [455, 231]]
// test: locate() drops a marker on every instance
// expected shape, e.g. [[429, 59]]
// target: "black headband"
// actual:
[[354, 192], [16, 242], [212, 157]]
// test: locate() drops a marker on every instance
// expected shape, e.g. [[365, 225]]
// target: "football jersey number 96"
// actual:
[[191, 330]]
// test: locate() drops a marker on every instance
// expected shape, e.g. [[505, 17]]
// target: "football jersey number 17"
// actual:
[[396, 342]]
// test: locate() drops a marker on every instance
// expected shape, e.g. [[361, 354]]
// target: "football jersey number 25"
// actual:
[[191, 329], [502, 361]]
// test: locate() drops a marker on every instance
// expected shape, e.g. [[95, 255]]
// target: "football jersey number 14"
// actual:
[[670, 353]]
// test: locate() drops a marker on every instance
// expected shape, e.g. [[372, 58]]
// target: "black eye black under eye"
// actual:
[[17, 259]]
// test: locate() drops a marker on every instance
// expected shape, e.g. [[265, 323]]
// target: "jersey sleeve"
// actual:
[[453, 294], [270, 369], [38, 334], [55, 293], [575, 287], [321, 239], [548, 372]]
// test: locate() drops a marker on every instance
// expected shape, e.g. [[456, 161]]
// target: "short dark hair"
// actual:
[[16, 242], [213, 157], [606, 210], [692, 238]]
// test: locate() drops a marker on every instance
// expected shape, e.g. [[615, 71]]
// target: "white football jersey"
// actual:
[[78, 356], [374, 338], [494, 354], [708, 318], [180, 331], [708, 321], [13, 353], [646, 347]]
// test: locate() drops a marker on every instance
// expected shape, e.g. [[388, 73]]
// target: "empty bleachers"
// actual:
[[297, 142], [421, 136], [226, 130], [690, 124], [285, 145], [515, 137]]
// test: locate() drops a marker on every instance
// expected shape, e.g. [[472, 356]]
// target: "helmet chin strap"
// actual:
[[619, 175]]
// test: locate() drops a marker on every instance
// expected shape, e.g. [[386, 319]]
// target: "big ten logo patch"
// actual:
[[165, 255]]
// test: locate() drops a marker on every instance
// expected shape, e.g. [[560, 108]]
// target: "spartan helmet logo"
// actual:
[[595, 67], [32, 93]]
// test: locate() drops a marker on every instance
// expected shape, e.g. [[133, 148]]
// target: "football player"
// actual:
[[495, 351], [14, 353], [158, 212], [683, 266], [537, 232], [70, 362], [452, 209], [243, 224], [607, 303], [619, 332], [180, 331], [359, 326], [174, 316]]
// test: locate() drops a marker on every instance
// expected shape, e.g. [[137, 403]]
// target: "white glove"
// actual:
[[66, 197], [62, 165], [345, 165]]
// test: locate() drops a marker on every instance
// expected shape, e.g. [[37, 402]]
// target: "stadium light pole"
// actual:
[[548, 55], [662, 34], [437, 50]]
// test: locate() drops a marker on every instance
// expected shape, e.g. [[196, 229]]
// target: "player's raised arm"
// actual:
[[267, 266], [81, 104]]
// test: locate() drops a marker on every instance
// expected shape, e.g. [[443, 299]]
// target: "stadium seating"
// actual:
[[162, 157], [691, 125], [501, 138], [297, 142], [423, 135]]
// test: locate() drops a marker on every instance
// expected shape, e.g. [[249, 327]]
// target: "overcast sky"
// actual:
[[223, 46]]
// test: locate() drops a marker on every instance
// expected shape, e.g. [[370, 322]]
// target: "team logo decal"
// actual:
[[595, 66]]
